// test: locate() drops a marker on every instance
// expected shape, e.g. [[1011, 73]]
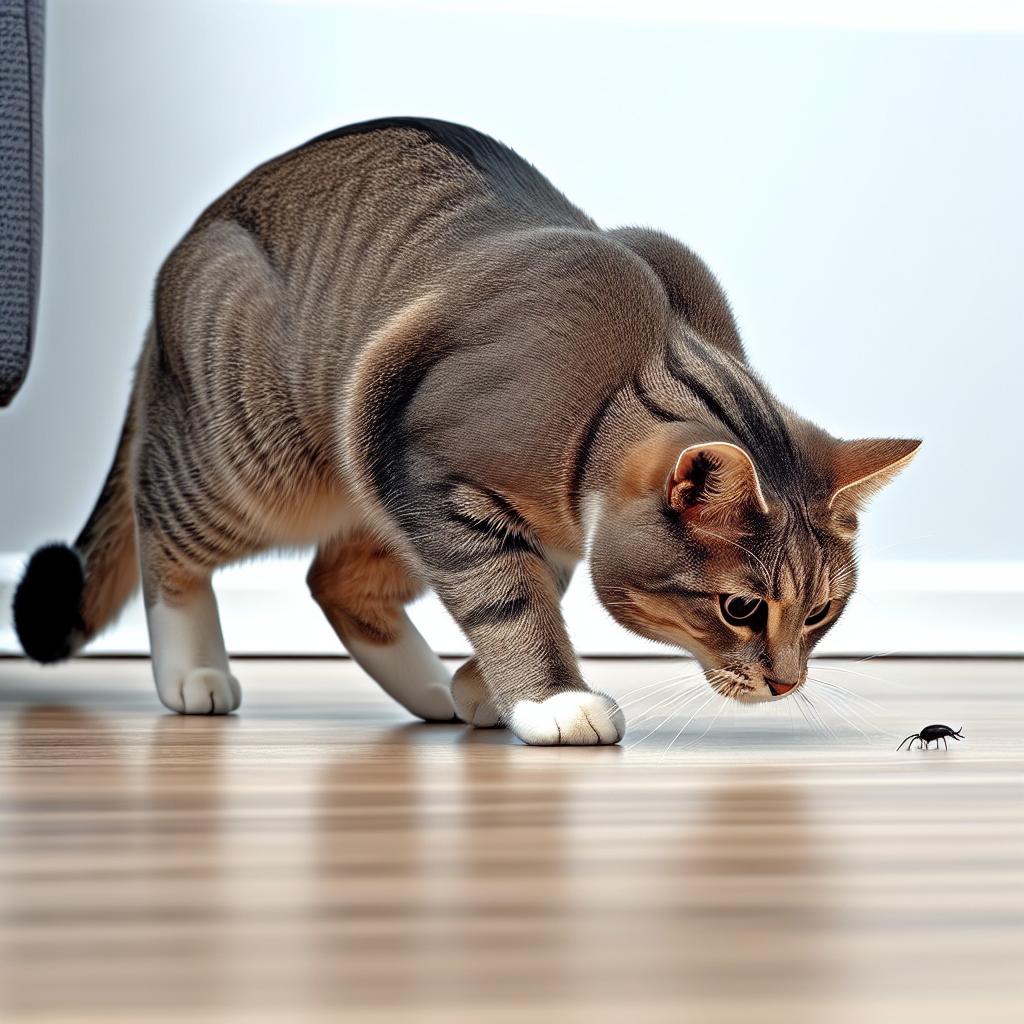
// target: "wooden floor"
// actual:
[[320, 857]]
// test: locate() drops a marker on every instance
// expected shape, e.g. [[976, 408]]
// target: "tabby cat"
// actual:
[[401, 343]]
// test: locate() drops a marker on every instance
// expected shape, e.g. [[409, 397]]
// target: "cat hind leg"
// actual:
[[363, 588], [190, 662]]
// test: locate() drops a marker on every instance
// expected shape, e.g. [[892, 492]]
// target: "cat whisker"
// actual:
[[679, 704], [725, 703], [662, 719], [821, 666], [835, 707], [691, 718], [876, 550], [838, 696], [678, 699], [666, 700], [844, 692], [873, 657], [870, 600], [647, 686], [645, 696], [864, 675], [814, 709], [815, 714], [685, 678], [801, 706]]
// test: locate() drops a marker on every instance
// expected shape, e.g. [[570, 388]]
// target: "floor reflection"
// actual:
[[114, 853], [440, 867], [275, 866], [181, 946], [711, 888], [755, 886], [53, 846], [530, 868], [424, 865]]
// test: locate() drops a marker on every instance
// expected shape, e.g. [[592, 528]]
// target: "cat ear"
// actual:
[[716, 481], [862, 468]]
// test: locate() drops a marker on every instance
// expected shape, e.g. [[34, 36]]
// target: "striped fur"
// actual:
[[401, 343]]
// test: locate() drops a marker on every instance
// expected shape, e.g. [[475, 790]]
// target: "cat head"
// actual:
[[693, 546]]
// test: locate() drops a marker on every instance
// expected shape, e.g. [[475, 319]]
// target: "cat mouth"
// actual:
[[738, 685], [732, 684]]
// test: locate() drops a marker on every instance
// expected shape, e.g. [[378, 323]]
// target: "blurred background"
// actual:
[[852, 172]]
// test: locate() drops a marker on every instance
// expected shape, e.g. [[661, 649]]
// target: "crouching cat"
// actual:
[[401, 343]]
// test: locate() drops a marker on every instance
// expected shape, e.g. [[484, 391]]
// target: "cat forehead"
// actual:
[[788, 565]]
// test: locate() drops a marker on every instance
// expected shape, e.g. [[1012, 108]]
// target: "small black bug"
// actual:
[[934, 732]]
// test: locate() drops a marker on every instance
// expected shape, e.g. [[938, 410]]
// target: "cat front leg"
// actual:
[[504, 591], [526, 662], [363, 588], [190, 662], [473, 702], [573, 716]]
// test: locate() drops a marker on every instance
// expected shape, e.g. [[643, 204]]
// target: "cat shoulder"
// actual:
[[694, 292]]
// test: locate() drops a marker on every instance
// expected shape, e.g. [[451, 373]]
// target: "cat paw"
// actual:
[[432, 703], [203, 691], [575, 718], [473, 703]]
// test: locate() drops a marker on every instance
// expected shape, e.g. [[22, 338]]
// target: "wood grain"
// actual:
[[321, 857]]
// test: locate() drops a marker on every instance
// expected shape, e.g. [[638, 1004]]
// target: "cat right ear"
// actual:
[[716, 481], [862, 468]]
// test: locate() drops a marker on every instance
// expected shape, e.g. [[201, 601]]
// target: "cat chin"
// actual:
[[758, 696]]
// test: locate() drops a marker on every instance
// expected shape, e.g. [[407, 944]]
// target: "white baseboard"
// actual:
[[902, 607]]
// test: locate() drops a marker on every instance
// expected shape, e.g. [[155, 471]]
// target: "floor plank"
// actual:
[[320, 856]]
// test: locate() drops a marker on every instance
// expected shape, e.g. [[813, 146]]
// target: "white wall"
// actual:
[[858, 193]]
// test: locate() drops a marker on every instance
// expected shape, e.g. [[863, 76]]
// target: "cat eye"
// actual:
[[819, 615], [740, 609]]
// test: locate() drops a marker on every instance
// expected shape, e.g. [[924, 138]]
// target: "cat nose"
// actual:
[[777, 688]]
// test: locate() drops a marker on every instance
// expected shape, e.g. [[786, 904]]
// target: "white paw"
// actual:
[[433, 703], [576, 718], [203, 691]]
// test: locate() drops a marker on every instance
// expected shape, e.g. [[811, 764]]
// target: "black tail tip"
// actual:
[[47, 604]]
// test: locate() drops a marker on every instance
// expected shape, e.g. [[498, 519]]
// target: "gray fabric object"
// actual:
[[21, 184]]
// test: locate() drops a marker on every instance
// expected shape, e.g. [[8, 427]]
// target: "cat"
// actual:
[[401, 343]]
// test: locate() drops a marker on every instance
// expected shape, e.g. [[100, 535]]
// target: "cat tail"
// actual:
[[69, 594]]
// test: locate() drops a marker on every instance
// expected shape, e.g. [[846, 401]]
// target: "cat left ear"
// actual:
[[717, 481], [862, 468]]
